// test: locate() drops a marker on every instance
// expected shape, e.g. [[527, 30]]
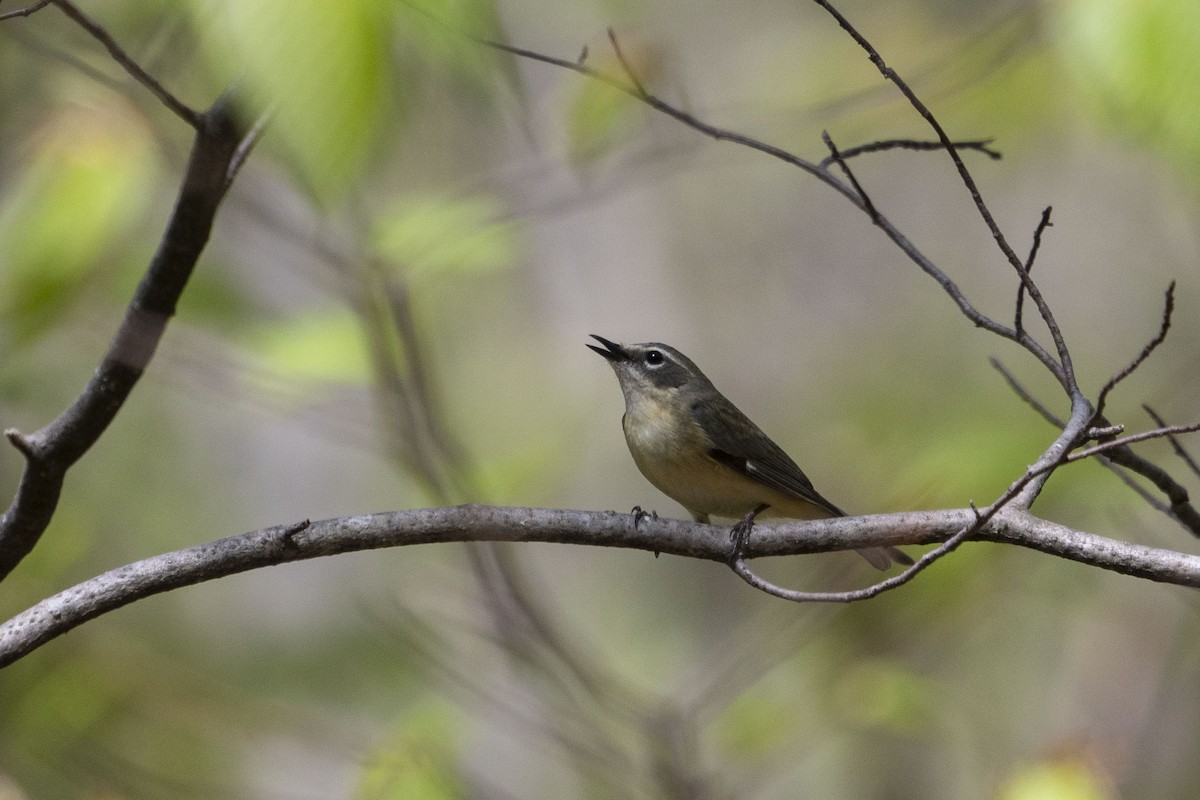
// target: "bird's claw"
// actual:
[[739, 534], [639, 515]]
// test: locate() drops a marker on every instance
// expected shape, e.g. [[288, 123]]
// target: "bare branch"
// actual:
[[1043, 223], [977, 318], [51, 451], [282, 544], [1157, 433], [1064, 370], [1163, 328], [185, 112], [26, 11], [1121, 472]]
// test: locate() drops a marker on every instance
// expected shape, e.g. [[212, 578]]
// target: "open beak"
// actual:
[[612, 351]]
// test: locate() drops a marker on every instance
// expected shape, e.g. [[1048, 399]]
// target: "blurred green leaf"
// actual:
[[434, 236], [323, 346], [418, 762], [1137, 65], [882, 694], [600, 117], [84, 189], [1061, 779], [320, 68], [446, 34]]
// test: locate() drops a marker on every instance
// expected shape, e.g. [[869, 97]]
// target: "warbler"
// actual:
[[699, 449]]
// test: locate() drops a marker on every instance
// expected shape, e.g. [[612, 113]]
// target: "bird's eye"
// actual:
[[654, 357]]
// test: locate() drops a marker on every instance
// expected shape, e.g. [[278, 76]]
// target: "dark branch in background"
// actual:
[[475, 523], [51, 451]]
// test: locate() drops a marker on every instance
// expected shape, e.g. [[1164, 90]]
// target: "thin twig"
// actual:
[[979, 145], [185, 112], [1043, 223], [867, 592], [1163, 328], [1157, 433], [1064, 370], [977, 318], [1179, 449]]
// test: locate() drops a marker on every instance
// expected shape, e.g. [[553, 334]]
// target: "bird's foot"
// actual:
[[640, 516], [739, 534]]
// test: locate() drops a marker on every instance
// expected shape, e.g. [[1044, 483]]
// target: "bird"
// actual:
[[695, 446]]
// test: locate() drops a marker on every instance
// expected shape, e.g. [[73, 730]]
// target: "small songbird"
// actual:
[[697, 448]]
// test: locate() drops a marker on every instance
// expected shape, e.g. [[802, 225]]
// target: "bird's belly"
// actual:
[[698, 483], [705, 486]]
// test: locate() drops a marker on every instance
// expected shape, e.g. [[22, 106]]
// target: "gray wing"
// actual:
[[742, 446]]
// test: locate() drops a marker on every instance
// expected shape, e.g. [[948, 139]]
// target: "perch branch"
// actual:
[[282, 544]]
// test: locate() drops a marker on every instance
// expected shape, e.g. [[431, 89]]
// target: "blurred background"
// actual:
[[392, 314]]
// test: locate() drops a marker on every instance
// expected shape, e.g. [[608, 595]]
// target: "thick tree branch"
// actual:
[[51, 451], [473, 523]]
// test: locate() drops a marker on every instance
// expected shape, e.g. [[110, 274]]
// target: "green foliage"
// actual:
[[418, 761], [1137, 64], [433, 236], [85, 187], [319, 69], [599, 117], [325, 346], [1064, 779]]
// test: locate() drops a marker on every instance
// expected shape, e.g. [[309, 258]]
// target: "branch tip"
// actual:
[[21, 442]]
